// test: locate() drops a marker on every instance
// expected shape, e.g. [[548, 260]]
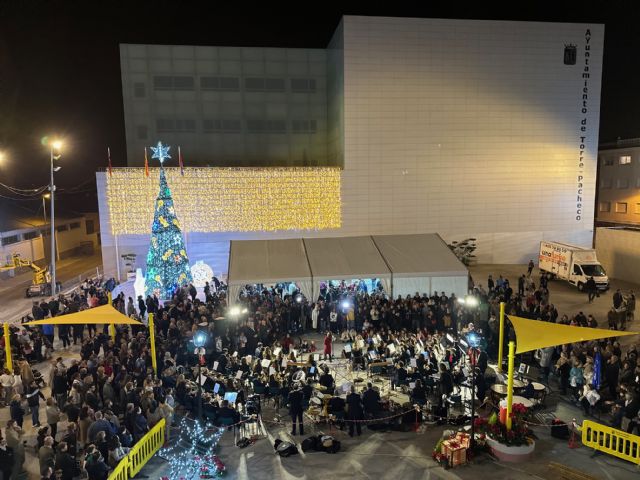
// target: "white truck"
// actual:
[[574, 264]]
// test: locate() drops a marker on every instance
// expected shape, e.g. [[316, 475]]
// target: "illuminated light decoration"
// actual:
[[228, 199], [160, 152], [201, 273], [167, 261], [190, 463]]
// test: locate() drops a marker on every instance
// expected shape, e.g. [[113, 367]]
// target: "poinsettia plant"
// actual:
[[520, 433]]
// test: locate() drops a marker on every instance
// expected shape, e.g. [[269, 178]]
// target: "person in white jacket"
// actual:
[[314, 316], [6, 381]]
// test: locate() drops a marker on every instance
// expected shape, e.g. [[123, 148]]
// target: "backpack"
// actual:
[[309, 444], [285, 449]]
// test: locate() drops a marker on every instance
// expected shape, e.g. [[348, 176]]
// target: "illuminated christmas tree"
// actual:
[[167, 261]]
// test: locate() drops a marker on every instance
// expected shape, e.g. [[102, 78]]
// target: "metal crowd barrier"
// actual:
[[612, 441], [140, 453]]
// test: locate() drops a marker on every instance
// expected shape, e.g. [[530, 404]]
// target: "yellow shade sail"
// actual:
[[98, 315], [534, 334]]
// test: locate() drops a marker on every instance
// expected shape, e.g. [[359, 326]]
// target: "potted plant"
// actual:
[[130, 263], [515, 445]]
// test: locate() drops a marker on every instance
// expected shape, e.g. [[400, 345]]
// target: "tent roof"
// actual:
[[345, 258], [97, 315], [419, 255], [267, 261], [535, 334]]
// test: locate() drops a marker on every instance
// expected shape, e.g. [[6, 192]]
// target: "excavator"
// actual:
[[41, 283]]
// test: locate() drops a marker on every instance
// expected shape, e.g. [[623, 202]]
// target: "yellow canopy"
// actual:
[[534, 334], [98, 315]]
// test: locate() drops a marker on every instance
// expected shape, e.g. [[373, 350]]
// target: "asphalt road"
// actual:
[[12, 290]]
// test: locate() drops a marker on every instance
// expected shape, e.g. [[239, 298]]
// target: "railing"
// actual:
[[140, 454], [612, 441]]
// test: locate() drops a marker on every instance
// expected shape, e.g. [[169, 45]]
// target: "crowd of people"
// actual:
[[110, 397]]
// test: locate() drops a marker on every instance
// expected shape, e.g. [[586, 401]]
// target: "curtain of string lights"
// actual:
[[228, 199]]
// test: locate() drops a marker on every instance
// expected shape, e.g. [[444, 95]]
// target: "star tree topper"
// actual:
[[160, 152]]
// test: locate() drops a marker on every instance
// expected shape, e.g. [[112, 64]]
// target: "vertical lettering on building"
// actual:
[[582, 133]]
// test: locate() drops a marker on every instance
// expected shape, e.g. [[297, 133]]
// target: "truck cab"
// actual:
[[582, 272]]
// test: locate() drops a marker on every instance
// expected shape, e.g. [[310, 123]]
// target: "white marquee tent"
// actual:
[[345, 258], [404, 264], [268, 262], [422, 263]]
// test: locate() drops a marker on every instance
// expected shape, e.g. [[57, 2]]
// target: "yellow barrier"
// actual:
[[146, 448], [612, 441], [140, 453], [121, 472]]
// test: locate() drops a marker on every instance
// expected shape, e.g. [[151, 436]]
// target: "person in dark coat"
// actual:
[[66, 463], [355, 412], [6, 459], [16, 410], [371, 401], [296, 409]]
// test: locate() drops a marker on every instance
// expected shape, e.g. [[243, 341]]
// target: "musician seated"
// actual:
[[400, 376], [529, 390], [326, 380], [371, 401], [225, 413], [419, 394]]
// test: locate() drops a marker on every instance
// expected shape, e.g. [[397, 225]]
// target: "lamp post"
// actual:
[[44, 206], [55, 145], [199, 339]]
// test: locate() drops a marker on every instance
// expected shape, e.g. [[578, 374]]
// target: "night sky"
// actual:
[[60, 72]]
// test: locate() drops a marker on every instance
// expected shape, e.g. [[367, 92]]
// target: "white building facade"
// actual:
[[483, 129]]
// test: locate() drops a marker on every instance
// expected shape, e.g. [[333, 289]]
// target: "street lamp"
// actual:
[[46, 196], [55, 148], [199, 339]]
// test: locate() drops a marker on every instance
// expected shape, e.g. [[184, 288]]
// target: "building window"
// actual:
[[164, 125], [605, 183], [274, 84], [637, 207], [164, 82], [607, 162], [621, 207], [622, 183], [30, 235], [256, 84], [62, 228], [139, 90], [222, 125], [10, 240], [74, 225], [605, 207], [303, 126], [624, 159], [266, 126], [141, 132], [219, 83], [89, 226], [303, 85]]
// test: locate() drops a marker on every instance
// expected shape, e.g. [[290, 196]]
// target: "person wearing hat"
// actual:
[[296, 398]]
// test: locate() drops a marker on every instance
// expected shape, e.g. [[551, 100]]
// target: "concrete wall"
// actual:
[[39, 248], [471, 129], [619, 252]]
